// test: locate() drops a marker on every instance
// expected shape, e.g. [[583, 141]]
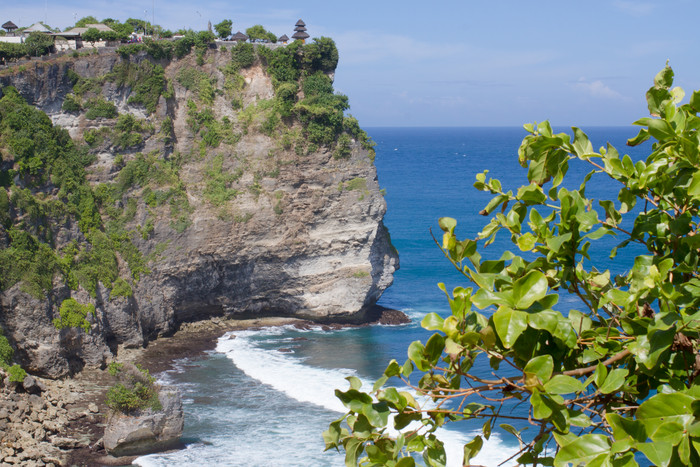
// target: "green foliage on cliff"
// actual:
[[146, 80], [135, 389], [98, 107], [73, 314], [45, 190], [218, 190], [6, 351], [197, 81], [243, 55]]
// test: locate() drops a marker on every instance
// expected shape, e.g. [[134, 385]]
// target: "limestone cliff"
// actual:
[[235, 205]]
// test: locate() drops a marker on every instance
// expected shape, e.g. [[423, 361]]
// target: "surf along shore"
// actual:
[[64, 424]]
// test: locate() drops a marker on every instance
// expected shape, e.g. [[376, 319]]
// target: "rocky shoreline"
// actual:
[[61, 422]]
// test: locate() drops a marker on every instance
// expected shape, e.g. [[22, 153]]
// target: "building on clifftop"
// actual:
[[9, 27], [239, 37], [300, 34]]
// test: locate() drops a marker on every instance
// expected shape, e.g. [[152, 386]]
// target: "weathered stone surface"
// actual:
[[305, 243], [128, 435]]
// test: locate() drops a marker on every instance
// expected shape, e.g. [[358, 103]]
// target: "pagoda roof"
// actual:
[[239, 36], [283, 38], [300, 23], [9, 25], [300, 35]]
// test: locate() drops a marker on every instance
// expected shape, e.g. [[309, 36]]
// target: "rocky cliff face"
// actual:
[[258, 222]]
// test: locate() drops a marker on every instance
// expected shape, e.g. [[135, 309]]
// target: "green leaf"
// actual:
[[541, 366], [695, 101], [380, 382], [601, 372], [664, 78], [555, 243], [626, 428], [528, 289], [471, 449], [659, 453], [526, 242], [393, 369], [582, 146], [563, 384], [434, 348], [355, 382], [407, 369], [670, 432], [614, 380], [406, 462], [416, 352], [531, 194], [509, 325], [353, 448], [377, 414], [582, 450], [332, 435], [662, 408], [432, 322], [393, 397], [447, 224]]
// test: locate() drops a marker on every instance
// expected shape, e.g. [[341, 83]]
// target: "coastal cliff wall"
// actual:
[[217, 190]]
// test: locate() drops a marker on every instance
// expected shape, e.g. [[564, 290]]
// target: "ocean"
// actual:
[[264, 397]]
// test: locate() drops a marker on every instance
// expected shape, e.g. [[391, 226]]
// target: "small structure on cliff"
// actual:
[[9, 27], [36, 27], [300, 34], [283, 39], [239, 37]]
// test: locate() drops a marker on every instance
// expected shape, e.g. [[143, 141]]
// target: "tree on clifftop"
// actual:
[[609, 383], [92, 35], [223, 29], [258, 32]]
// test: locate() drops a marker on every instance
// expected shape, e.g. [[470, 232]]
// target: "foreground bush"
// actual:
[[609, 383]]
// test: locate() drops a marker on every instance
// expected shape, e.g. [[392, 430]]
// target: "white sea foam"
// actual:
[[289, 375]]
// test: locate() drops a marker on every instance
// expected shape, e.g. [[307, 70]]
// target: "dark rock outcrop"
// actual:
[[149, 431]]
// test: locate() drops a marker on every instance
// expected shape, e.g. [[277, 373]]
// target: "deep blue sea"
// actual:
[[248, 404]]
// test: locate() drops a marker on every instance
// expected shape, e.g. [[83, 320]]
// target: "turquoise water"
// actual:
[[250, 404]]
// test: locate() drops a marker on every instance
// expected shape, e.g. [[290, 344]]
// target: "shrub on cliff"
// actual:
[[98, 107], [6, 351], [243, 55], [73, 314], [146, 80], [135, 389], [611, 382]]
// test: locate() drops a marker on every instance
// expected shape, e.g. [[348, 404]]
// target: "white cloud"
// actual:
[[634, 8], [597, 89]]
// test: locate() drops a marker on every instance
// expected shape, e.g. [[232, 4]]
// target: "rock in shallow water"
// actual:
[[149, 431]]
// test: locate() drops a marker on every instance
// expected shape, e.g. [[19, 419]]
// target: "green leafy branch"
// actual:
[[603, 383]]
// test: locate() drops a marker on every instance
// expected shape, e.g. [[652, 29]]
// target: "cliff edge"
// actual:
[[221, 182]]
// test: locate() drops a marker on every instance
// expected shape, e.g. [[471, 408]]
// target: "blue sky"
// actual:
[[458, 63]]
